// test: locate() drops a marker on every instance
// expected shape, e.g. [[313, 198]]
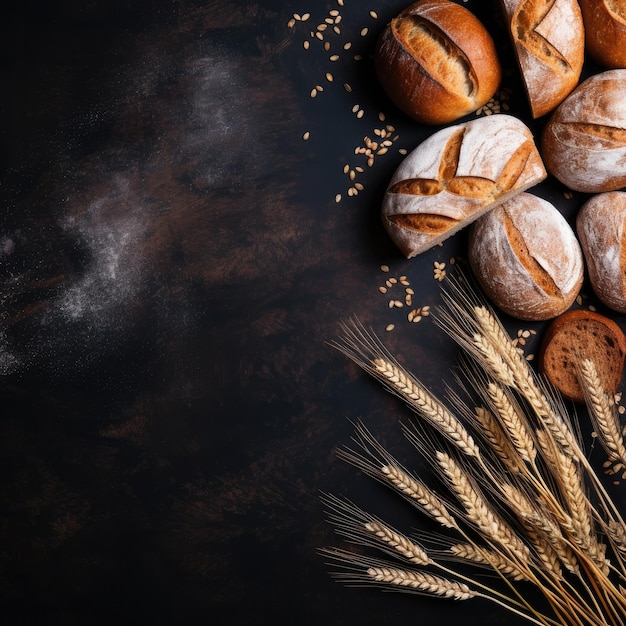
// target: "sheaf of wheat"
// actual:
[[517, 500]]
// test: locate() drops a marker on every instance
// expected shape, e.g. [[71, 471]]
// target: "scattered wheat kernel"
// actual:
[[329, 77], [360, 113], [337, 30], [403, 280], [389, 327], [355, 108], [338, 198], [329, 20], [426, 310], [592, 308], [358, 168], [319, 87], [306, 135], [306, 44], [340, 3], [346, 168], [347, 46], [359, 186], [391, 304], [530, 357], [381, 117], [352, 175], [347, 87], [334, 57], [357, 57], [297, 17], [322, 27], [370, 162], [410, 291], [393, 280], [327, 46], [337, 19], [291, 23], [384, 268], [579, 300], [388, 283], [382, 151], [408, 300], [417, 318], [305, 17], [319, 36], [313, 93], [402, 151], [364, 31], [382, 289], [374, 15]]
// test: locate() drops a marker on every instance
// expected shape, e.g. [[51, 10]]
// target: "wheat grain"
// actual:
[[428, 501], [477, 509], [407, 548], [514, 424], [421, 581], [603, 411], [427, 405], [482, 556]]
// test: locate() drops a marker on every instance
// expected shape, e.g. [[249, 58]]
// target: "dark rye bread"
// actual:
[[582, 334]]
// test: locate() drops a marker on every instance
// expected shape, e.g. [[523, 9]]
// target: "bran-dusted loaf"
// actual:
[[581, 334], [526, 258], [549, 40], [437, 61], [584, 142], [601, 228], [455, 176]]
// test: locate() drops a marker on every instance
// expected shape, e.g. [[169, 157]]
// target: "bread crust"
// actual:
[[581, 333], [527, 259], [601, 228], [605, 31], [549, 41], [584, 142], [437, 62], [455, 176]]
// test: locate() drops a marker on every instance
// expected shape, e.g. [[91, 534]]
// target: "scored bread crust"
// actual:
[[601, 228], [549, 41], [437, 62], [580, 334], [605, 31], [455, 176], [584, 142], [526, 258]]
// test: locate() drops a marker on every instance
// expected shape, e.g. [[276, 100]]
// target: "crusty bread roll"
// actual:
[[455, 176], [579, 334], [526, 258], [549, 41], [605, 31], [437, 62], [601, 228], [584, 142]]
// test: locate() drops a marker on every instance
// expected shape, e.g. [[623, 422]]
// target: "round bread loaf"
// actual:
[[601, 228], [578, 335], [584, 142], [605, 31], [549, 43], [527, 259], [437, 62], [456, 175]]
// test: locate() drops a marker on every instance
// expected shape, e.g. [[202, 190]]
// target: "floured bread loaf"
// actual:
[[437, 61], [605, 31], [455, 176], [526, 258], [601, 228], [582, 334], [549, 41], [584, 142]]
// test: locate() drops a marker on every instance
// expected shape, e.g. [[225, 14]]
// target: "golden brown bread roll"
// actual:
[[455, 176], [437, 62], [582, 334], [526, 258], [605, 31], [601, 228], [584, 142], [549, 41]]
